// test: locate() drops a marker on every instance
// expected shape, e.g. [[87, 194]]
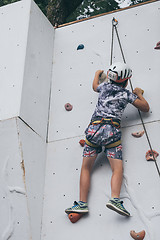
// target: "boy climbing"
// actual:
[[104, 131]]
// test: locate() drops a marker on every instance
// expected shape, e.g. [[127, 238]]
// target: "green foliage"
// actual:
[[5, 2], [42, 4], [91, 8]]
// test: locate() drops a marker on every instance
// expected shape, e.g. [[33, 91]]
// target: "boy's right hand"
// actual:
[[138, 91]]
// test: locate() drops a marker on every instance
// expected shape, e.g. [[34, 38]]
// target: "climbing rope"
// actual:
[[114, 28]]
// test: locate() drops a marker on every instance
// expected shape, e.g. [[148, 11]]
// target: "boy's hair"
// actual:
[[123, 84]]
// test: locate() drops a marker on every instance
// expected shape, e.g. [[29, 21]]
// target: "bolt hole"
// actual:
[[139, 184], [152, 207]]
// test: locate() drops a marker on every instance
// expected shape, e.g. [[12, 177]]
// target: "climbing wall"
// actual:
[[41, 70], [73, 72], [26, 44]]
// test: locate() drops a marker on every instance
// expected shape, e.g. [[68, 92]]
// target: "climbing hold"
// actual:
[[82, 142], [74, 217], [103, 78], [138, 134], [157, 45], [80, 47], [68, 106], [151, 155], [137, 236]]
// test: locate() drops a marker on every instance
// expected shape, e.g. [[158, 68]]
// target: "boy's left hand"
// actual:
[[99, 72]]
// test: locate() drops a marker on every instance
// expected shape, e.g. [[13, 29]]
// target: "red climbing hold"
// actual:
[[82, 142], [157, 45], [68, 106], [137, 236], [138, 134], [74, 217], [151, 155]]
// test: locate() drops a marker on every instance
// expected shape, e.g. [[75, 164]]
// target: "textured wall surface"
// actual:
[[41, 70], [26, 66], [73, 72]]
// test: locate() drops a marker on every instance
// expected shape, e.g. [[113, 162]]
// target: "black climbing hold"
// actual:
[[80, 47]]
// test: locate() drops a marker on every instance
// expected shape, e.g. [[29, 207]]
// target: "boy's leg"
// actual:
[[116, 181], [87, 165], [117, 175], [85, 177]]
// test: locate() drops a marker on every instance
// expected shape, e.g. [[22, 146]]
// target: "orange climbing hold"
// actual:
[[151, 155], [74, 217], [137, 236], [82, 142], [138, 134]]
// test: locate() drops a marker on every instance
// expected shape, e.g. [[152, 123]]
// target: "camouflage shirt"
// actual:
[[112, 101]]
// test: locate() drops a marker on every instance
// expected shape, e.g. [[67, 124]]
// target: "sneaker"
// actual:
[[78, 207], [116, 205]]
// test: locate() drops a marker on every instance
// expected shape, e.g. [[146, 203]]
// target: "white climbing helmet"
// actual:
[[119, 72]]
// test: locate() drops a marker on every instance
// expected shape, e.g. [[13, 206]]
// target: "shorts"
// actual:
[[105, 135]]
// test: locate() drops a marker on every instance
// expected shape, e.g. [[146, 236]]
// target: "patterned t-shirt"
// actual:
[[112, 101]]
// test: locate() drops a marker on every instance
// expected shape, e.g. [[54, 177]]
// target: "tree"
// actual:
[[59, 10], [91, 8]]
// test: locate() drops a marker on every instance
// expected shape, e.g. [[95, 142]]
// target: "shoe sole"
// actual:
[[78, 211], [114, 208]]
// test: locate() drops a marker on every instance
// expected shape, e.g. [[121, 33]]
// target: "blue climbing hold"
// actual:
[[80, 47]]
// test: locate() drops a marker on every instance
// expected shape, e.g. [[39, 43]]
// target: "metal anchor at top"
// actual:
[[114, 21]]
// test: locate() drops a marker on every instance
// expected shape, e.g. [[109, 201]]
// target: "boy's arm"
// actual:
[[96, 80], [140, 102]]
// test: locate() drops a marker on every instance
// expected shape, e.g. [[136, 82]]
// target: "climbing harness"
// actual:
[[101, 122], [114, 28], [111, 145]]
